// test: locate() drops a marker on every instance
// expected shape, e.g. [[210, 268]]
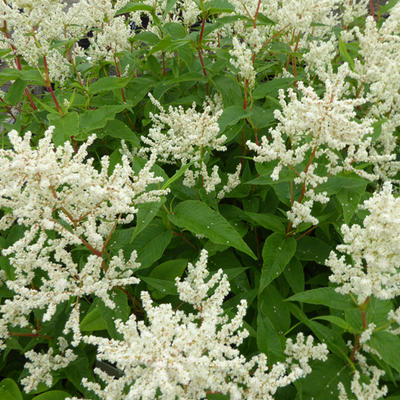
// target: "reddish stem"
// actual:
[[199, 50], [30, 334], [256, 14], [202, 30], [307, 232], [295, 58], [269, 40], [8, 109], [119, 76], [183, 237], [371, 6], [202, 63], [49, 88], [303, 189], [18, 64]]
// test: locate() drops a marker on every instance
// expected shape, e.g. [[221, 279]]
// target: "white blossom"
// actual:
[[187, 136], [314, 128], [41, 366], [56, 189], [374, 251], [185, 355]]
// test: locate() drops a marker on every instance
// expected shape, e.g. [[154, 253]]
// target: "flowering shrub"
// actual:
[[199, 199]]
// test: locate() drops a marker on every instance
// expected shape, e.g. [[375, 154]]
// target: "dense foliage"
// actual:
[[198, 199]]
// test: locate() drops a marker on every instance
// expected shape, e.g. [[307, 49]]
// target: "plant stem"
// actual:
[[49, 88]]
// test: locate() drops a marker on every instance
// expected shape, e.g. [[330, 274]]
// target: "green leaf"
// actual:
[[272, 304], [165, 287], [230, 90], [388, 347], [108, 83], [52, 395], [200, 219], [177, 31], [147, 37], [345, 54], [16, 91], [65, 126], [117, 129], [9, 74], [326, 296], [341, 323], [268, 221], [271, 87], [93, 321], [167, 44], [176, 176], [262, 117], [337, 183], [294, 275], [322, 383], [231, 116], [169, 270], [33, 76], [96, 119], [151, 243], [311, 248], [218, 6], [120, 311], [349, 200], [78, 369], [169, 6], [268, 339], [9, 390], [278, 250], [147, 212], [137, 89]]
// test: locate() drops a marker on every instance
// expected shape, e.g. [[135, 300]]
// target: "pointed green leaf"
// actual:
[[108, 83], [388, 347], [341, 323], [52, 395], [169, 270], [65, 126], [16, 91], [151, 243], [311, 248], [326, 296], [165, 287], [117, 129], [147, 212], [218, 6], [93, 321], [95, 119], [349, 200], [231, 116], [198, 218], [278, 250], [345, 54], [9, 390], [268, 221]]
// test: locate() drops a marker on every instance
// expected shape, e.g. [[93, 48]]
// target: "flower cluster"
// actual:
[[187, 355], [188, 137], [374, 249], [312, 129], [63, 201], [378, 73]]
